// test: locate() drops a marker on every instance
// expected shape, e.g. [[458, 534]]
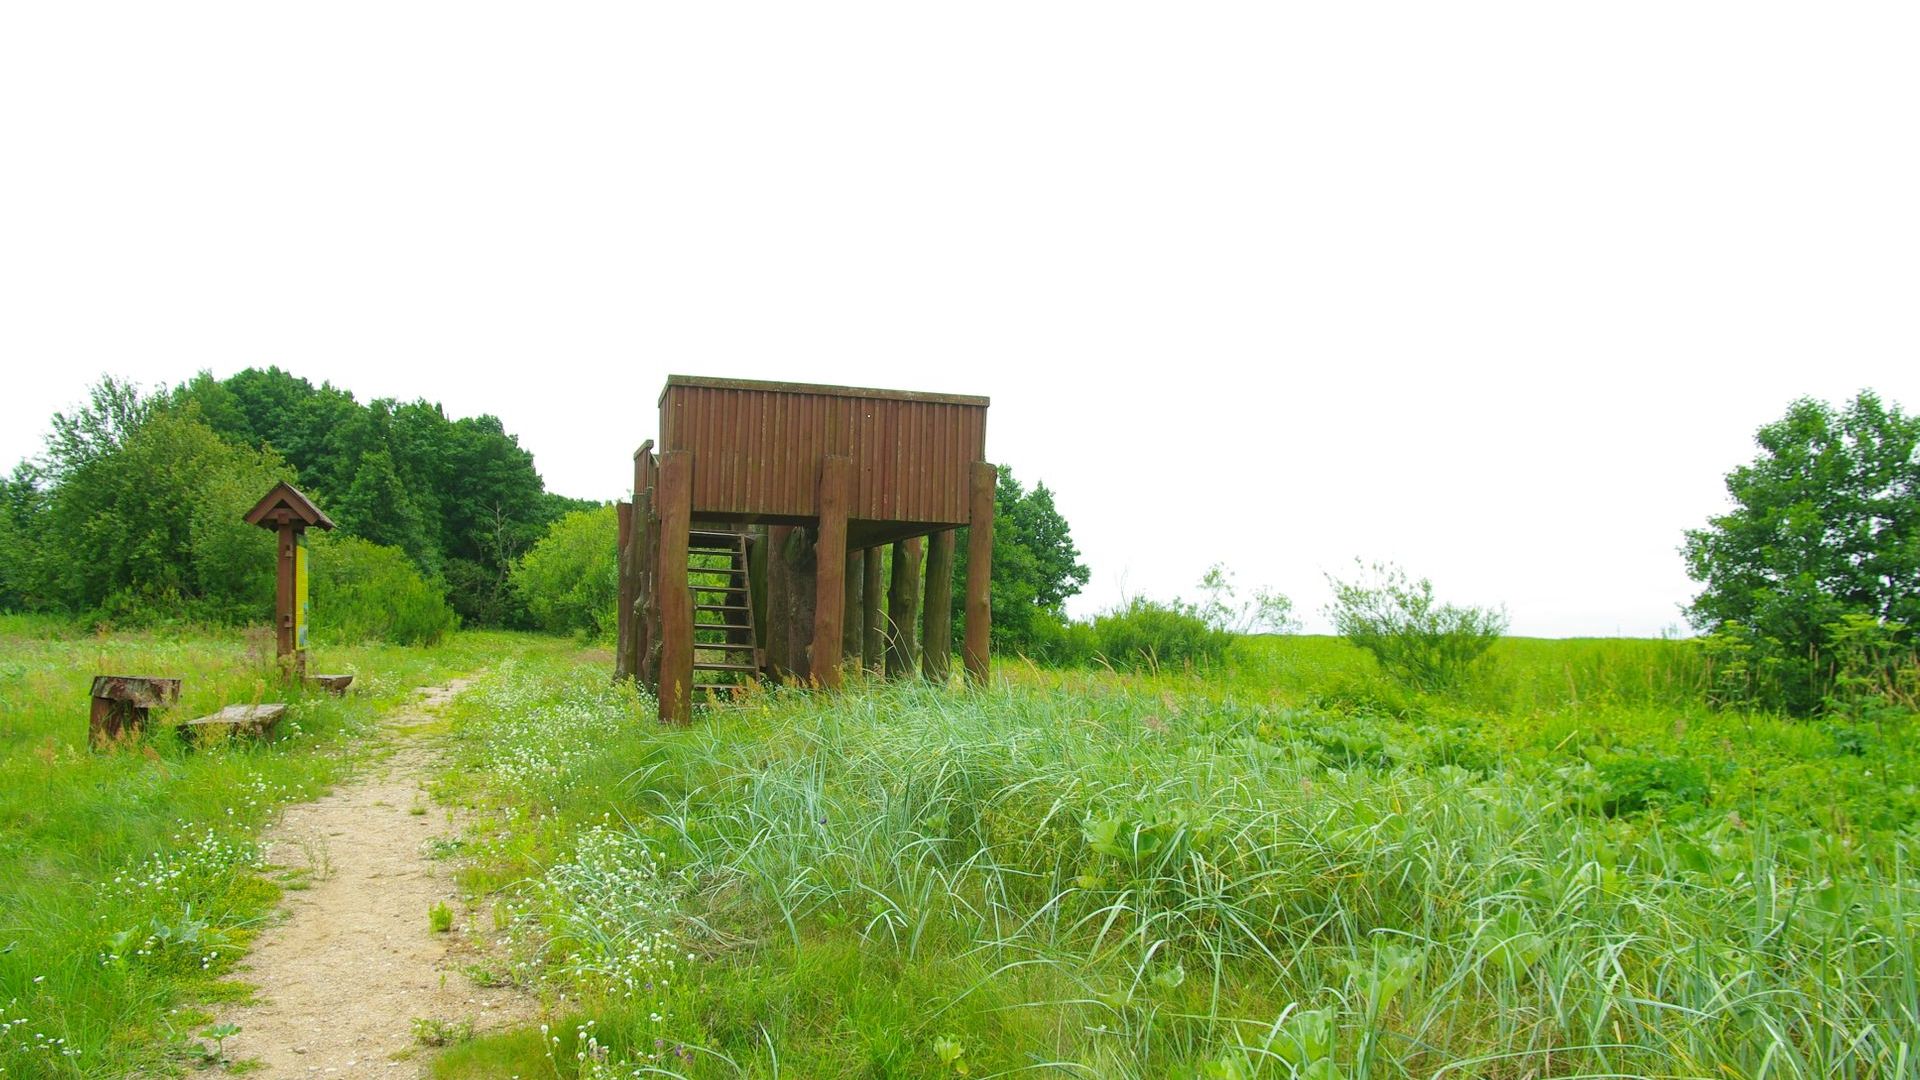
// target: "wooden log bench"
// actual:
[[121, 704], [233, 721]]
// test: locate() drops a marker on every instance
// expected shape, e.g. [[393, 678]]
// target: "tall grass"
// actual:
[[1138, 877], [130, 882]]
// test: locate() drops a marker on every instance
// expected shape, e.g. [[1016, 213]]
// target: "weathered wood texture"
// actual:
[[646, 535], [903, 601], [252, 720], [775, 631], [332, 684], [979, 591], [121, 705], [675, 491], [852, 618], [623, 603], [759, 446], [936, 641], [798, 563], [830, 569], [873, 616]]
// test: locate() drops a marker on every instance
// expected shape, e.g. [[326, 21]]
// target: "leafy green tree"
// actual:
[[1825, 529], [377, 507], [462, 496], [365, 591], [569, 581], [23, 505], [1417, 640], [1036, 567], [147, 523]]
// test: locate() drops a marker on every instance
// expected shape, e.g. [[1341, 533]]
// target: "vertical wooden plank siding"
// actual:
[[873, 625], [936, 648], [979, 604], [759, 449], [830, 568], [903, 595], [676, 599]]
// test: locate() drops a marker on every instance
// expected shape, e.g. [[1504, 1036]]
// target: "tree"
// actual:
[[1825, 526], [1036, 566], [1417, 640], [569, 581], [148, 524]]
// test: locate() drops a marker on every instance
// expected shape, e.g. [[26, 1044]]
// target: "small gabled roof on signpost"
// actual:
[[284, 505]]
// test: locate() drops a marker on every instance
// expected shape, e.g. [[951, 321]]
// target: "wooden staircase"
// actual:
[[726, 643]]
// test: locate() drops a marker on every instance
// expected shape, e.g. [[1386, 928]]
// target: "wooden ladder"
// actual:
[[726, 642]]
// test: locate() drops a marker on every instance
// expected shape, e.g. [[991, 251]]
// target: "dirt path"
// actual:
[[343, 978]]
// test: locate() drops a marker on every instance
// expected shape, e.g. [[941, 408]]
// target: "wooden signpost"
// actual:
[[289, 513]]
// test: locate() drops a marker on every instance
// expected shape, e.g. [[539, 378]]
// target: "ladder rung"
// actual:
[[710, 666], [719, 607], [721, 645]]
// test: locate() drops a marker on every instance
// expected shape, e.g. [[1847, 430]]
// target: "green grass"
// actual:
[[129, 881], [1285, 868]]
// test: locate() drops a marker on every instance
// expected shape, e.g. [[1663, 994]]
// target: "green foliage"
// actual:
[[1036, 567], [460, 496], [1157, 875], [1146, 634], [1825, 527], [1265, 612], [1416, 639], [146, 524], [569, 581], [23, 505], [362, 591], [131, 883]]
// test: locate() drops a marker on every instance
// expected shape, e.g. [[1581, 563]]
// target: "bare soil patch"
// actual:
[[344, 977]]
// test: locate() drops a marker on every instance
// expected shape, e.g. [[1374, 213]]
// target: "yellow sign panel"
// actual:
[[300, 591]]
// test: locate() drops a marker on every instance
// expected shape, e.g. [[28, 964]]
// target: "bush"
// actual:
[[362, 591], [1149, 635], [570, 580], [1425, 644]]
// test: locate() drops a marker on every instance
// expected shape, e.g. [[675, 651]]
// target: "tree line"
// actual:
[[132, 512]]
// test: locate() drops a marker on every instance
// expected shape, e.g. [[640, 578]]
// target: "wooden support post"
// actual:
[[873, 624], [979, 606], [757, 594], [779, 662], [675, 598], [638, 562], [286, 604], [830, 569], [903, 595], [640, 639], [852, 626], [623, 605], [936, 641]]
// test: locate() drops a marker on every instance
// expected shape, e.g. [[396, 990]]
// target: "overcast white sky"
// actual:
[[1499, 291]]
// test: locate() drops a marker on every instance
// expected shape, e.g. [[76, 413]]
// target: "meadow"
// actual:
[[130, 882], [1288, 867]]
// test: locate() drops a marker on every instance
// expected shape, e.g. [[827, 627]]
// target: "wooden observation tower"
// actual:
[[753, 547]]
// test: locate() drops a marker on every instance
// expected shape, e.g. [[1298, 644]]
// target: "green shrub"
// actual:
[[1423, 643], [570, 580], [363, 591], [1150, 635], [1059, 642]]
